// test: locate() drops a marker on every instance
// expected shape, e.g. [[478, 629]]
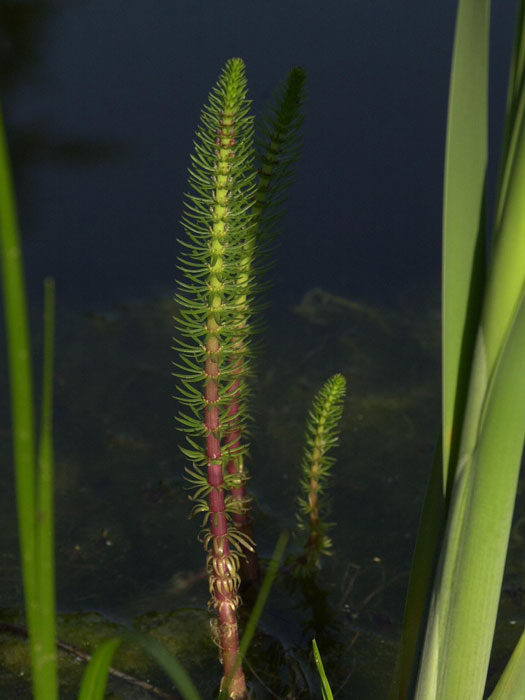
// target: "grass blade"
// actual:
[[325, 685], [508, 267], [168, 662], [515, 88], [463, 220], [511, 685], [463, 285], [421, 577], [22, 409], [95, 677], [44, 535], [260, 602], [20, 372], [467, 590]]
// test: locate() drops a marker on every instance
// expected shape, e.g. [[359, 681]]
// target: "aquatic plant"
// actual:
[[229, 221], [34, 476], [321, 436], [458, 564]]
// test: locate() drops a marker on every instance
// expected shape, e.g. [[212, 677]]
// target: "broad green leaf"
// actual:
[[507, 275], [463, 214], [463, 283], [95, 676], [514, 90], [511, 685], [466, 593]]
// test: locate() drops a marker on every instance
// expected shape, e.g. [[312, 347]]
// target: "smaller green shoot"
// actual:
[[325, 685], [322, 434]]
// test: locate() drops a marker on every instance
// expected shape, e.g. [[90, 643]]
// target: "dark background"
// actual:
[[102, 99]]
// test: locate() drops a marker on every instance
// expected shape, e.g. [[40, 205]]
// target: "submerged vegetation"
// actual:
[[230, 221]]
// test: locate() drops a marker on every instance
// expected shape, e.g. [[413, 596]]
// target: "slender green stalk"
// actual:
[[95, 677], [325, 685], [41, 629], [34, 479], [44, 516]]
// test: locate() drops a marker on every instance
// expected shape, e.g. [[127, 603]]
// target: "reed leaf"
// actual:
[[325, 685], [167, 661], [33, 489], [466, 594], [44, 516], [95, 677], [511, 685], [463, 216]]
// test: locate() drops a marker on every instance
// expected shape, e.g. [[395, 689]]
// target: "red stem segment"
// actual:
[[221, 563]]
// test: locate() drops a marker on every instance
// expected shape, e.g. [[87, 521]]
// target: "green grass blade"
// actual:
[[463, 284], [511, 685], [95, 676], [508, 267], [325, 685], [463, 220], [168, 662], [515, 87], [45, 553], [22, 408], [263, 594], [466, 594], [421, 576], [260, 602], [19, 358]]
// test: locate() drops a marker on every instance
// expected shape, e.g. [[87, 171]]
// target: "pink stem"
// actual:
[[221, 563]]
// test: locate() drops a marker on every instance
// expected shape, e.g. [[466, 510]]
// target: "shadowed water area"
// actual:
[[127, 553]]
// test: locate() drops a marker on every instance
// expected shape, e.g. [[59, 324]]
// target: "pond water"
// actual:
[[101, 102]]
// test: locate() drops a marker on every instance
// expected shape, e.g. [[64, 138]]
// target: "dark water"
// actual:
[[101, 101]]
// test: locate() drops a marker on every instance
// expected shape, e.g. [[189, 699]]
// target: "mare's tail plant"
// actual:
[[277, 149], [230, 210], [322, 434]]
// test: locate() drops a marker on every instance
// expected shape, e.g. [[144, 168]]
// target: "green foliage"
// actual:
[[325, 685], [322, 434], [232, 206], [217, 223], [278, 149], [460, 554], [95, 676], [33, 477]]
